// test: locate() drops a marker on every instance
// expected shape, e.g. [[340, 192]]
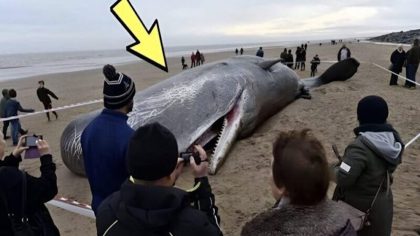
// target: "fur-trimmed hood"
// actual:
[[324, 219]]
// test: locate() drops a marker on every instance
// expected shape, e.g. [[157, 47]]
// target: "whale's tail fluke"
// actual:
[[340, 71]]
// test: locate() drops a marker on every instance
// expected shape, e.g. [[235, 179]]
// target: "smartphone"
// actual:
[[30, 141], [186, 157]]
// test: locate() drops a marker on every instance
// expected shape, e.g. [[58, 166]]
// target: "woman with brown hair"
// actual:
[[300, 180]]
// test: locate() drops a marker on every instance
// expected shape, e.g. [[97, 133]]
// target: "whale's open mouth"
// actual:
[[209, 140], [217, 139]]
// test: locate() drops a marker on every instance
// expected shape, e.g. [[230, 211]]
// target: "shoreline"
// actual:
[[129, 59]]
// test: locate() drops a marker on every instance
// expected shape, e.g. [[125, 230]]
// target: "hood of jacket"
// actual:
[[383, 140], [148, 208]]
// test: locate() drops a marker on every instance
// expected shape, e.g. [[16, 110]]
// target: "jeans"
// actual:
[[5, 126], [411, 71], [15, 131]]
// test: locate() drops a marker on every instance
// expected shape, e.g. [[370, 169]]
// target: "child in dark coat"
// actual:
[[314, 64]]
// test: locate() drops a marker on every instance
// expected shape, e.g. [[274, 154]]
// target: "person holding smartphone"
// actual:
[[152, 205], [39, 190]]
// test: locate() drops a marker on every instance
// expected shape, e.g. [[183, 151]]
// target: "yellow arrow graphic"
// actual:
[[148, 45]]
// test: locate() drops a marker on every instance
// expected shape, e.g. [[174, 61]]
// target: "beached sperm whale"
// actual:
[[213, 104]]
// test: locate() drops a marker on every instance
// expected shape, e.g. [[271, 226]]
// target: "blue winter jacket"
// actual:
[[12, 107], [104, 145]]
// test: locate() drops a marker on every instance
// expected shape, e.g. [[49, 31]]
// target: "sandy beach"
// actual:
[[242, 184]]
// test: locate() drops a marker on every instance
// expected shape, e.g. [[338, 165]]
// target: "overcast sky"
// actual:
[[56, 25]]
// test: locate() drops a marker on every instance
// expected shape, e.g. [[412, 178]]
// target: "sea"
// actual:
[[18, 66]]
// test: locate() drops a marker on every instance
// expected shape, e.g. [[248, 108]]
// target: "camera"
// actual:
[[30, 141], [185, 156]]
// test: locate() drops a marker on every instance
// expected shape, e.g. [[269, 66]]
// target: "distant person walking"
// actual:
[[297, 53], [413, 60], [306, 46], [397, 59], [289, 59], [314, 64], [197, 58], [184, 66], [302, 59], [3, 101], [202, 58], [343, 53], [283, 56], [260, 52], [44, 96], [192, 60], [236, 51], [12, 108], [242, 51]]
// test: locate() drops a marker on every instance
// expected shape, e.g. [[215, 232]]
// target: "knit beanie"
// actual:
[[372, 110], [119, 89], [152, 153]]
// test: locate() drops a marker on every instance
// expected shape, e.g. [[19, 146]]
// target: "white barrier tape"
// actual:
[[400, 76], [54, 109], [412, 140], [73, 206]]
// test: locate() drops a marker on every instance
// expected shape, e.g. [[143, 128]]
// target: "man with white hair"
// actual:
[[397, 60], [343, 53]]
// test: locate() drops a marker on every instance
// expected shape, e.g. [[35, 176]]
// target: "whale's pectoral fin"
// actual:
[[303, 93], [268, 64]]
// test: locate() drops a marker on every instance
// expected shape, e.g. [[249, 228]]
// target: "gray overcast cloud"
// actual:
[[51, 25]]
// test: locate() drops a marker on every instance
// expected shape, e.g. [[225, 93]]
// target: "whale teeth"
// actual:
[[219, 135]]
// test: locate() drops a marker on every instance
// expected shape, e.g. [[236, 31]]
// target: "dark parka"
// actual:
[[159, 211], [324, 219], [38, 190], [369, 161], [413, 55], [397, 60]]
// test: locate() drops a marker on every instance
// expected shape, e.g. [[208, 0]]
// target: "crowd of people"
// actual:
[[133, 173], [197, 59], [299, 61]]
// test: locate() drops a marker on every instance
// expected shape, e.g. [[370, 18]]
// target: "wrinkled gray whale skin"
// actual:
[[222, 101]]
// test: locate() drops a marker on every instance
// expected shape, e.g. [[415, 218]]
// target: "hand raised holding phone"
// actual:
[[33, 145], [201, 169], [21, 147]]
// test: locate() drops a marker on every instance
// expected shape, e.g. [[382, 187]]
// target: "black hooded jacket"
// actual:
[[153, 210]]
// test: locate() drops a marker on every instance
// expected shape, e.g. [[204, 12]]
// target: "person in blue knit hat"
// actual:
[[105, 140]]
